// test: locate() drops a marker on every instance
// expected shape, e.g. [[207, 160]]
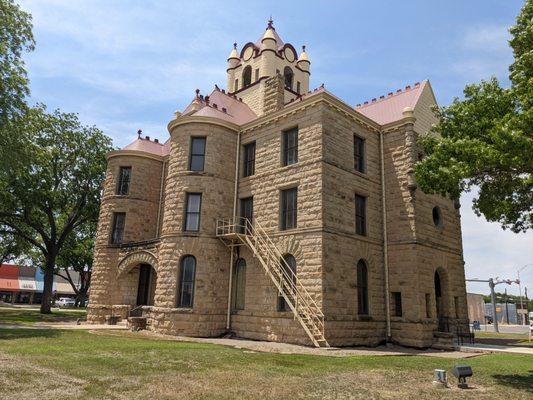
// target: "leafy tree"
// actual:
[[15, 38], [50, 195], [485, 140], [77, 255]]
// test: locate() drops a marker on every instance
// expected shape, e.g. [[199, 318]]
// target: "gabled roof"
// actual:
[[221, 105], [389, 108]]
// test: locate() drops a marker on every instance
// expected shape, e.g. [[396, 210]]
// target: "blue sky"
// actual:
[[125, 65]]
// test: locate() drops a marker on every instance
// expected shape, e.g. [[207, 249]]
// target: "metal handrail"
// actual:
[[294, 292]]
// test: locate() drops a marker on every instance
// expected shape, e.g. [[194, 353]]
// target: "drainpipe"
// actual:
[[235, 193], [385, 244], [163, 175]]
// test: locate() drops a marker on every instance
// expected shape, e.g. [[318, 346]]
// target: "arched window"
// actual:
[[186, 282], [362, 288], [289, 266], [289, 75], [247, 76], [239, 284], [437, 219]]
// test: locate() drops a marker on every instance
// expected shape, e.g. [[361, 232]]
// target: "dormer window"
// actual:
[[289, 75], [247, 76]]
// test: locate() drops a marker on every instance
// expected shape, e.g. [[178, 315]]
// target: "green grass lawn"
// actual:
[[10, 315], [55, 364]]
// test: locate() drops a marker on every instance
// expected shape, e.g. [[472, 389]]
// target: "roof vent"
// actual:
[[147, 137], [358, 105], [407, 87], [215, 105], [381, 97], [417, 83], [390, 94], [224, 109], [223, 91], [366, 102], [206, 99], [156, 140], [399, 91], [374, 100]]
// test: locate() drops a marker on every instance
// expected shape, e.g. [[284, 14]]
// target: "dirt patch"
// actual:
[[24, 380]]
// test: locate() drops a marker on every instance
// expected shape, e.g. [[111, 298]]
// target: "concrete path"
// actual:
[[484, 348], [503, 328], [255, 345], [286, 348]]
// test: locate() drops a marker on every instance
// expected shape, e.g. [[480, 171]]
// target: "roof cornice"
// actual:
[[134, 153], [201, 120]]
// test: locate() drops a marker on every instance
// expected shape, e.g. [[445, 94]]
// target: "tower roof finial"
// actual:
[[235, 45], [270, 22]]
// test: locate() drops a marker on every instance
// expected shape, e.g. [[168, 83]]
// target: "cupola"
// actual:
[[233, 58], [303, 61], [268, 40]]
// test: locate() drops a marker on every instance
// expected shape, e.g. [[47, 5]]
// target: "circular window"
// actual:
[[437, 218]]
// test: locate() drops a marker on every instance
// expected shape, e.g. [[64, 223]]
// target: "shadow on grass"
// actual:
[[15, 333], [521, 382]]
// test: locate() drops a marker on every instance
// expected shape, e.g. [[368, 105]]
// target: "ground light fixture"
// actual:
[[461, 372]]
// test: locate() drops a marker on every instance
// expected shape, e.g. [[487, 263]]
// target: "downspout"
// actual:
[[385, 243], [163, 177], [235, 193]]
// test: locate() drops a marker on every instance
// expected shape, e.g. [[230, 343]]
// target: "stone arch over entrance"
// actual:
[[137, 276], [134, 259]]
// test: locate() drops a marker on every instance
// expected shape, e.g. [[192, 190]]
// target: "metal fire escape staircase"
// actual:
[[240, 231]]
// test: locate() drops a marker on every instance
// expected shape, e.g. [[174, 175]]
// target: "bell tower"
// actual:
[[268, 57]]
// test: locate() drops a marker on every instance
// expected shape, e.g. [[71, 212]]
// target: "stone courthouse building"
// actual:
[[280, 213]]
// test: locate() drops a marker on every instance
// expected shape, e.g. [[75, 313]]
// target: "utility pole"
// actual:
[[493, 301], [492, 284]]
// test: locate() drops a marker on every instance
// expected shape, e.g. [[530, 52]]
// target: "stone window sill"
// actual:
[[364, 318], [182, 310]]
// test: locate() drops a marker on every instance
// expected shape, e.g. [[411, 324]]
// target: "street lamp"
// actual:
[[520, 291]]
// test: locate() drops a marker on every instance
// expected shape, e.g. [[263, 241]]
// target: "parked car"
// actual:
[[63, 302]]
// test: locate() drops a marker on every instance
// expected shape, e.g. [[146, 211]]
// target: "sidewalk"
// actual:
[[483, 348]]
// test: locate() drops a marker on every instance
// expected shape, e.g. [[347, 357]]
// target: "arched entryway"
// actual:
[[137, 279], [146, 285]]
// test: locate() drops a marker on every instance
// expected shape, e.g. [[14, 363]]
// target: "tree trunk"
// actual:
[[46, 303]]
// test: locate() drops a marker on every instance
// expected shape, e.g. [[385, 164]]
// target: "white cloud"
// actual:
[[491, 38]]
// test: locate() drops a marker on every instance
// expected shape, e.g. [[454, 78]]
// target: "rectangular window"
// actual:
[[124, 178], [298, 87], [360, 215], [257, 74], [236, 85], [249, 159], [428, 305], [192, 212], [117, 234], [197, 154], [396, 304], [290, 147], [247, 210], [289, 208], [359, 153]]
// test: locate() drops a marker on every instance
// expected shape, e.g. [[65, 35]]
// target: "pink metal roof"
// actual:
[[235, 111], [148, 146], [389, 108]]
